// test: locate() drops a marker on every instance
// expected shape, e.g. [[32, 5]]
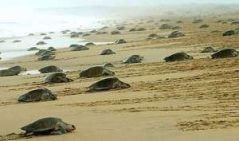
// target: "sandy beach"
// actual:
[[168, 101]]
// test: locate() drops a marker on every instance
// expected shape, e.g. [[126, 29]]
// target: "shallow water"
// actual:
[[10, 50]]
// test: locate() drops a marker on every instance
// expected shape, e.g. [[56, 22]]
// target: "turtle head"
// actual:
[[70, 127]]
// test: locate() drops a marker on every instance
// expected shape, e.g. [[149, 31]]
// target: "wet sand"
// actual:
[[186, 100]]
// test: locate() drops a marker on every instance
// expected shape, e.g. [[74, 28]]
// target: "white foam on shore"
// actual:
[[10, 50]]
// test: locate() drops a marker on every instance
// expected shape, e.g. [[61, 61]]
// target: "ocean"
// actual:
[[21, 22], [17, 24]]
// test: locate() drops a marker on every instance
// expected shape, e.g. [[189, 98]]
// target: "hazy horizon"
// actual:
[[77, 3]]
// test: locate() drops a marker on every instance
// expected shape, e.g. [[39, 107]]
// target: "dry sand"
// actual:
[[180, 101]]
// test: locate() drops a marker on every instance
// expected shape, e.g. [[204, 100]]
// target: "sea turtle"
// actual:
[[132, 29], [180, 56], [176, 27], [100, 32], [48, 126], [93, 31], [133, 59], [107, 52], [46, 38], [41, 94], [79, 48], [204, 26], [43, 52], [225, 53], [51, 49], [12, 71], [41, 43], [108, 84], [115, 32], [120, 28], [16, 41], [140, 29], [18, 68], [46, 57], [89, 44], [153, 35], [166, 26], [197, 21], [43, 34], [208, 50], [50, 69], [74, 45], [179, 21], [57, 77], [176, 34], [229, 33], [65, 31], [75, 34], [96, 71], [33, 49], [86, 34], [120, 41]]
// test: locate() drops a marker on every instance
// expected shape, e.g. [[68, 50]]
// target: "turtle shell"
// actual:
[[107, 84], [133, 59], [96, 71], [57, 77], [42, 125], [180, 56], [37, 95], [225, 53]]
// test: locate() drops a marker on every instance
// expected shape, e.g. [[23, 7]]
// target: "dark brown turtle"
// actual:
[[96, 71], [33, 49], [108, 84], [12, 71], [120, 41], [51, 49], [133, 59], [116, 32], [79, 48], [176, 34], [180, 56], [197, 21], [208, 50], [120, 28], [46, 57], [204, 26], [50, 69], [229, 33], [225, 53], [41, 94], [90, 44], [48, 126], [57, 77], [166, 26], [16, 41], [107, 52], [43, 52], [41, 43], [46, 38]]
